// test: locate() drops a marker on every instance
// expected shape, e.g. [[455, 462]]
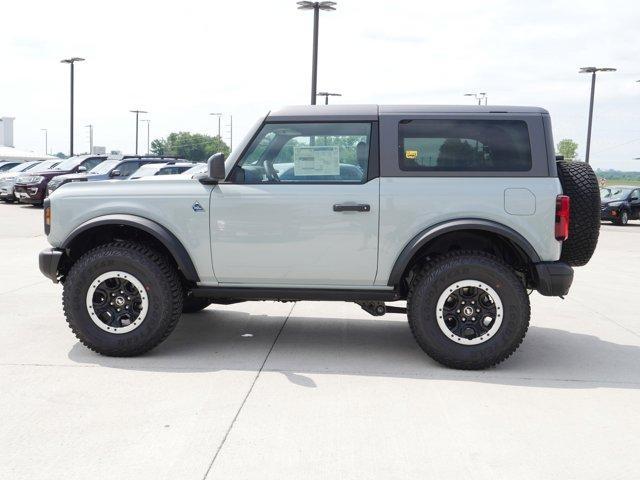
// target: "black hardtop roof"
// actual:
[[372, 112]]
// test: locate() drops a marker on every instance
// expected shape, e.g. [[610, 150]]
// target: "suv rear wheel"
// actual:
[[122, 299], [468, 310]]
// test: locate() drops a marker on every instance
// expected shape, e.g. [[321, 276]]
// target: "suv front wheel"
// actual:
[[468, 310], [122, 299]]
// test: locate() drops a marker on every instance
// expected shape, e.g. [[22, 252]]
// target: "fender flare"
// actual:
[[435, 231], [160, 233]]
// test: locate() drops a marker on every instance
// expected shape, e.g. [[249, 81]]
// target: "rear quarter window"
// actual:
[[464, 145]]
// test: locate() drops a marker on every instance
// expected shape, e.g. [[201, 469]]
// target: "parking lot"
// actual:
[[271, 390]]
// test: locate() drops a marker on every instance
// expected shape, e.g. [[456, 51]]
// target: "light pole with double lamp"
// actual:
[[137, 112], [478, 96], [71, 61], [326, 96], [316, 7], [592, 71]]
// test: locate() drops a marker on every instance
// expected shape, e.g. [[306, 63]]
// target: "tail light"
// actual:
[[562, 217]]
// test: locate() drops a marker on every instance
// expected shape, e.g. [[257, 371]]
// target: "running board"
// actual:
[[324, 294]]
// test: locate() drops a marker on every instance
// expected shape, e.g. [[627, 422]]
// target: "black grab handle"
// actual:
[[363, 207]]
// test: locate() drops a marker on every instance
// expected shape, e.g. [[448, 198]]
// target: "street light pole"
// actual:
[[231, 132], [326, 96], [71, 61], [148, 121], [478, 96], [592, 71], [90, 127], [316, 7], [137, 112], [46, 141], [219, 115]]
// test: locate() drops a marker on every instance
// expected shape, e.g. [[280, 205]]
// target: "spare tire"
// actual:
[[580, 184]]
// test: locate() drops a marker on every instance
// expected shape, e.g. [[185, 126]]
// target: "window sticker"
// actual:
[[411, 154], [316, 161]]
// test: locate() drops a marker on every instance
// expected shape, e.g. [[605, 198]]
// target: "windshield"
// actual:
[[68, 164], [46, 165], [24, 166], [104, 167], [200, 168], [619, 193], [605, 192]]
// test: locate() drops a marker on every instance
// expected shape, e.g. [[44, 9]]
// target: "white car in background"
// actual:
[[8, 178], [154, 169]]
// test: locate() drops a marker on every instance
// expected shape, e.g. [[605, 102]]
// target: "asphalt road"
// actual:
[[319, 390]]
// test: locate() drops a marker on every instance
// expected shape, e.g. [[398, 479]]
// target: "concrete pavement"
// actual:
[[319, 390]]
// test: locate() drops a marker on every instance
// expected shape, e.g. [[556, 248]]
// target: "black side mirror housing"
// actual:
[[115, 173], [215, 170]]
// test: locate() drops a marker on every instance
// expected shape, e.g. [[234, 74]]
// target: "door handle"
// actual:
[[361, 207]]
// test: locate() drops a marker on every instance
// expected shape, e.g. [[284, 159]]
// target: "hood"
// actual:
[[48, 174], [67, 177]]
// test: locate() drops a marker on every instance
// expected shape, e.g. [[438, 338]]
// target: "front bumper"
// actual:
[[553, 279], [609, 213], [48, 260], [6, 192], [33, 193]]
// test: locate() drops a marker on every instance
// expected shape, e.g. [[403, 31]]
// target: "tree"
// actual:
[[190, 146], [568, 149], [61, 155]]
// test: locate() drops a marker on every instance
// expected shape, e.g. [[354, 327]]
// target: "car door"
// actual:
[[300, 208]]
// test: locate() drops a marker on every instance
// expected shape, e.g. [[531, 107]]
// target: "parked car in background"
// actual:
[[170, 168], [621, 205], [8, 183], [6, 165], [115, 167], [8, 178], [197, 168], [33, 188], [605, 192]]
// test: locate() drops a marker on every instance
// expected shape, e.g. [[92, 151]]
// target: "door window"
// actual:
[[127, 168], [91, 162], [307, 153], [464, 145]]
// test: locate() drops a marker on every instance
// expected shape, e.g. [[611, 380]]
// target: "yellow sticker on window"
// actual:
[[411, 154]]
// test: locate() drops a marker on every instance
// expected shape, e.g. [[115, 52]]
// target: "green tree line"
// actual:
[[195, 147]]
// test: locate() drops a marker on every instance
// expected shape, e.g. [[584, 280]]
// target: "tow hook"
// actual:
[[377, 309]]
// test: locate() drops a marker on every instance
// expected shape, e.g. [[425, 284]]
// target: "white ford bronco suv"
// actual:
[[460, 211]]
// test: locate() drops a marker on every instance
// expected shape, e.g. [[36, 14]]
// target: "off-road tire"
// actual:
[[436, 277], [194, 304], [580, 183], [161, 282]]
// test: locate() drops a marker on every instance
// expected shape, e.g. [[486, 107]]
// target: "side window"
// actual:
[[127, 168], [91, 162], [307, 153], [636, 195], [464, 145]]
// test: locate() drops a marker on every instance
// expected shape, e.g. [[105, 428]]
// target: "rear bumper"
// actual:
[[553, 278], [48, 261]]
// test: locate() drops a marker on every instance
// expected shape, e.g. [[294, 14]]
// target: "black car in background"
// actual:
[[115, 167], [620, 204], [33, 188]]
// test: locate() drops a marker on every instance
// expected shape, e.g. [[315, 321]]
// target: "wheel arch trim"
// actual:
[[435, 231], [159, 232]]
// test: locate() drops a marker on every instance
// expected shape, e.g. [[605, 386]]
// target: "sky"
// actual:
[[182, 60]]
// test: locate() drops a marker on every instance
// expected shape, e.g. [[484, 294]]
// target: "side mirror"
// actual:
[[115, 173], [82, 169], [633, 199], [215, 170]]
